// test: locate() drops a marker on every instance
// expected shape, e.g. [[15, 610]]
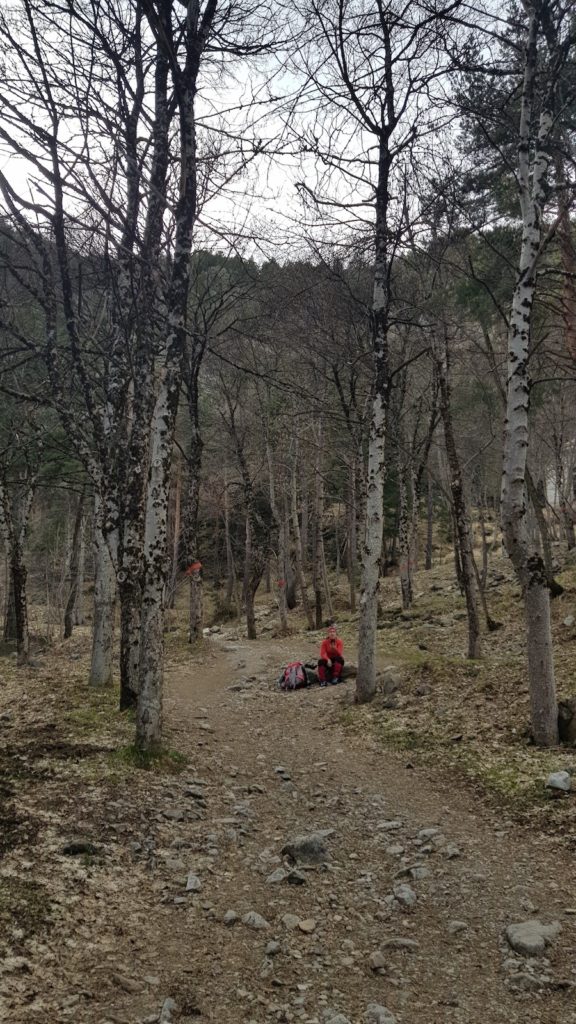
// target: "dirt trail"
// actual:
[[471, 881], [411, 922]]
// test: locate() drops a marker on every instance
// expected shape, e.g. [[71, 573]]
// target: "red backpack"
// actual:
[[293, 676]]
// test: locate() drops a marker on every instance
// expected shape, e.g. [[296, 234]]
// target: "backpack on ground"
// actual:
[[293, 676]]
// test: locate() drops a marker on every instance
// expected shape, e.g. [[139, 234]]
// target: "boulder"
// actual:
[[560, 781], [309, 849], [530, 938]]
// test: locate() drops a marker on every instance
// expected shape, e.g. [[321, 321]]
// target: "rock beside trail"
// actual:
[[309, 849], [377, 1014], [401, 943], [332, 1017], [389, 681], [561, 781], [530, 938], [168, 1008], [255, 921], [230, 918], [377, 961], [405, 895], [290, 921], [456, 927], [291, 877]]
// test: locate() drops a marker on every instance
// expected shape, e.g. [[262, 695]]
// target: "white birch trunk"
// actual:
[[151, 679], [527, 561], [374, 508], [372, 553]]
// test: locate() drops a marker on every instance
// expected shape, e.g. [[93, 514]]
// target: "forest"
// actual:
[[287, 342]]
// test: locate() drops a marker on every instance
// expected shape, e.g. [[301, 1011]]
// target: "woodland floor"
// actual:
[[108, 935]]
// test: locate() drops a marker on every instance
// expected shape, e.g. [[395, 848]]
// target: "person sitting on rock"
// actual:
[[331, 661]]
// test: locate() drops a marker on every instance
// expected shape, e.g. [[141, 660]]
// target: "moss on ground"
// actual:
[[161, 761]]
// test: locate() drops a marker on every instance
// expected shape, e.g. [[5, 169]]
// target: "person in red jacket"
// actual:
[[331, 661]]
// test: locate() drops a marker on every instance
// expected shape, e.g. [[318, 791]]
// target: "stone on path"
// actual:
[[530, 938], [455, 927], [290, 877], [330, 1016], [451, 852], [230, 917], [400, 942], [405, 895], [277, 876], [377, 1014], [559, 781], [168, 1008], [290, 921], [307, 926], [377, 961], [193, 883], [174, 814], [255, 921], [310, 849]]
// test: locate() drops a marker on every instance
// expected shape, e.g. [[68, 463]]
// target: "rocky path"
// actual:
[[403, 911], [395, 909]]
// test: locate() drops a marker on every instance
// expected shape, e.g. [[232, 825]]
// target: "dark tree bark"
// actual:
[[74, 567]]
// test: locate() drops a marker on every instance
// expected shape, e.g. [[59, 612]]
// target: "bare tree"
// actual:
[[372, 68]]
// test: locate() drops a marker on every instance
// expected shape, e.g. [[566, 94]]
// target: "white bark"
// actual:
[[151, 678], [372, 553], [526, 560]]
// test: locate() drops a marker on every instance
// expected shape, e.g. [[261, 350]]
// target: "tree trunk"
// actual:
[[317, 575], [78, 617], [74, 568], [305, 507], [176, 536], [280, 543], [483, 579], [14, 519], [527, 562], [249, 593], [10, 614], [101, 665], [151, 675], [130, 595], [191, 515], [19, 574], [404, 539], [298, 547], [461, 521], [429, 523], [352, 535], [230, 565]]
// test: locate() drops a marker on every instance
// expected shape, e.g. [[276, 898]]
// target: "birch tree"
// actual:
[[537, 112], [372, 68]]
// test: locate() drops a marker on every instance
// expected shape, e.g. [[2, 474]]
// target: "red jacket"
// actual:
[[330, 647]]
